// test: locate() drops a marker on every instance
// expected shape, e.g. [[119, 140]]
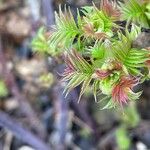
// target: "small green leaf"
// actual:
[[40, 43], [3, 89], [98, 51], [123, 140]]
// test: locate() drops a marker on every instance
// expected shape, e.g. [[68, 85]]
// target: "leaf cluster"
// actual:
[[98, 50]]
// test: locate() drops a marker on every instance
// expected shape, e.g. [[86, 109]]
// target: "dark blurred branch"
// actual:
[[25, 107], [61, 121], [48, 12], [60, 103], [81, 110], [22, 133]]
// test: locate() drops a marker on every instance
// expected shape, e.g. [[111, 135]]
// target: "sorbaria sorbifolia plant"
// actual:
[[98, 49]]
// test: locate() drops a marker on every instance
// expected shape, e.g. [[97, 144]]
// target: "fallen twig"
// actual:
[[22, 133]]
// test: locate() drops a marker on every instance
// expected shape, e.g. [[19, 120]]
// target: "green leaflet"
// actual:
[[65, 29], [133, 59], [101, 22], [86, 10], [135, 10], [84, 86], [134, 33], [39, 43], [98, 51], [42, 45], [148, 11], [134, 96], [75, 80]]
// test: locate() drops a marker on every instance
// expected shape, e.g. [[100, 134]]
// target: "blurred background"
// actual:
[[34, 115]]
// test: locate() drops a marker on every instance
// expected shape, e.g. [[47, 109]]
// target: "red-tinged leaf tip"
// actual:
[[78, 71], [100, 35], [121, 91], [110, 9], [102, 74], [89, 30], [70, 66]]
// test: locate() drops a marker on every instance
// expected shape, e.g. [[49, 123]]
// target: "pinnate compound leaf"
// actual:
[[135, 11], [81, 72], [133, 59]]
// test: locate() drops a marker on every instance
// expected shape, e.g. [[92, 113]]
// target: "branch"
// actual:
[[61, 121], [48, 12], [22, 133]]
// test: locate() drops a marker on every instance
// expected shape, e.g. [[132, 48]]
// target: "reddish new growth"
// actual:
[[102, 74], [75, 63], [90, 32], [121, 91], [110, 9], [70, 67]]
